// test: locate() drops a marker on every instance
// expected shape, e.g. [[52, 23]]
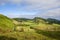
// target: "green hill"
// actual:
[[5, 23], [51, 21]]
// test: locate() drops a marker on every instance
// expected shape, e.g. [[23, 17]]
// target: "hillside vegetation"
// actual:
[[29, 29], [5, 23], [40, 23]]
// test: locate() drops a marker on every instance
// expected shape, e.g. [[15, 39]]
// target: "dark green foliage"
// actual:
[[7, 38], [21, 19], [51, 21], [38, 20], [31, 28], [52, 34]]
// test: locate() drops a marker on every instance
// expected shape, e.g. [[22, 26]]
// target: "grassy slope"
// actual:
[[5, 23]]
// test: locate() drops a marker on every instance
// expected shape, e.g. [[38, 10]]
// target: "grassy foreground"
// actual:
[[25, 36]]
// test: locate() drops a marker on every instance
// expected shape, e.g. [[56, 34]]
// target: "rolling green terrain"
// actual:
[[29, 29]]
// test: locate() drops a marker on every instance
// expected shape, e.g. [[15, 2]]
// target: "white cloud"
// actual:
[[51, 8], [55, 13], [39, 5], [35, 4], [15, 1], [11, 1], [42, 4]]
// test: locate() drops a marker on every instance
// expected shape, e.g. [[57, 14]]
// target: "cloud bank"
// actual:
[[43, 8]]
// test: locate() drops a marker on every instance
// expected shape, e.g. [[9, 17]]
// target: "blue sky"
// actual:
[[30, 8]]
